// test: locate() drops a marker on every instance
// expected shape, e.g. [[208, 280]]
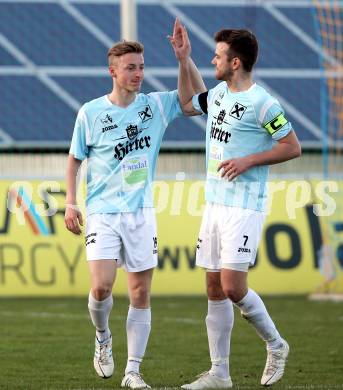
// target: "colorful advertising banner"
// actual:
[[301, 249]]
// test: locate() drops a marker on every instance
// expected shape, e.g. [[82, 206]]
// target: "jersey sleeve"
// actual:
[[275, 122], [169, 105], [79, 144], [199, 102]]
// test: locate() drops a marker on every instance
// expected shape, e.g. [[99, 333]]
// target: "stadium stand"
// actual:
[[53, 59]]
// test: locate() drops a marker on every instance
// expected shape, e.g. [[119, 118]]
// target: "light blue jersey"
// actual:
[[121, 146], [239, 124]]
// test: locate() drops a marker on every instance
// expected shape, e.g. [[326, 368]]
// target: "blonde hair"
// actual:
[[124, 47]]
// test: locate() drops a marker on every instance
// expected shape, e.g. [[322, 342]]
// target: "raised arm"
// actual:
[[190, 81], [73, 216], [196, 78]]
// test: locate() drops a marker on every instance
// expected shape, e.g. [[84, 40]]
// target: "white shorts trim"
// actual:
[[242, 267], [228, 235], [128, 238]]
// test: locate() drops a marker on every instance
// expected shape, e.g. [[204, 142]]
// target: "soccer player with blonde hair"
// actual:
[[120, 135]]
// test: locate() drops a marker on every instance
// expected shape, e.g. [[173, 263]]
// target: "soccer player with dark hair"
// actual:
[[120, 135], [247, 131]]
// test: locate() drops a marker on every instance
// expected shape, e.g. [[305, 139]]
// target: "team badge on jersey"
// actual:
[[220, 117], [132, 131], [237, 111], [146, 114]]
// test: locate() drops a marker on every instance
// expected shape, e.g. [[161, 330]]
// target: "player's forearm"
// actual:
[[73, 166], [185, 85], [196, 79], [281, 152]]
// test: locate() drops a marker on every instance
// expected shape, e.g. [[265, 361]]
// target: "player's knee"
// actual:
[[101, 292], [214, 288], [232, 293], [215, 292], [140, 296]]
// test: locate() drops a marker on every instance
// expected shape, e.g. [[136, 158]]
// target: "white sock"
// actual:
[[219, 323], [138, 327], [254, 311], [100, 312]]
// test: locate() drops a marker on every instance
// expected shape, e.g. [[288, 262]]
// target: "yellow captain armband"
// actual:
[[274, 125]]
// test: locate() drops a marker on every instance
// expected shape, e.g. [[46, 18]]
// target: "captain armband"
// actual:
[[276, 124]]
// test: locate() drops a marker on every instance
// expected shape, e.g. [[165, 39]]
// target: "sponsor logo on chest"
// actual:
[[107, 120], [217, 131], [133, 142], [237, 111], [128, 138]]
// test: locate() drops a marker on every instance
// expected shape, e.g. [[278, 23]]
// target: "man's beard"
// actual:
[[227, 76]]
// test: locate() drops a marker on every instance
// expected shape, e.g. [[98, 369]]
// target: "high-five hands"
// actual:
[[180, 41]]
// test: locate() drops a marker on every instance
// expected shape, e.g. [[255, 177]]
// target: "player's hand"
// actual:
[[180, 41], [234, 167], [176, 38], [73, 219]]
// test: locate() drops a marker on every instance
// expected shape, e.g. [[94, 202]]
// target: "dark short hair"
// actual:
[[124, 47], [243, 44]]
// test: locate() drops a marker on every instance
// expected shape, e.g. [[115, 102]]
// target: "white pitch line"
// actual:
[[42, 314], [68, 316]]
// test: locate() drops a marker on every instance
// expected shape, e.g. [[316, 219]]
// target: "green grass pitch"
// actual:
[[48, 344]]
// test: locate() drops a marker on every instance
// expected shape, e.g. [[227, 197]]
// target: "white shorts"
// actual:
[[242, 267], [128, 238], [228, 235]]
